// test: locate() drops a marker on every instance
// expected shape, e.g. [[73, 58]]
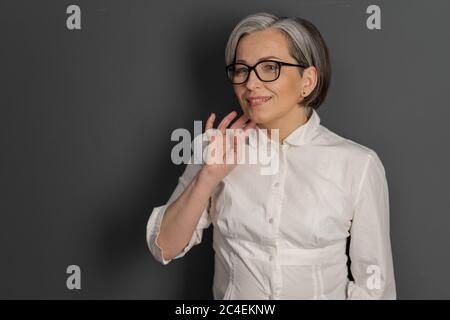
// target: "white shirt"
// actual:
[[283, 236]]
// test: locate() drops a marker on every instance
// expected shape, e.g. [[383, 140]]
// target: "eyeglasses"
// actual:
[[265, 70]]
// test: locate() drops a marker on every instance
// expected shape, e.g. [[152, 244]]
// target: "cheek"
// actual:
[[289, 88], [239, 92], [285, 93]]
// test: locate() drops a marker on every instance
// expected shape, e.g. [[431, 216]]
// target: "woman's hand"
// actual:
[[215, 166]]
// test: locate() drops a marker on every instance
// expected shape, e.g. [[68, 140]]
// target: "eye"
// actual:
[[271, 67], [240, 70]]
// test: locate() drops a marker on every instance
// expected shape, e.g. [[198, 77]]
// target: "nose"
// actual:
[[253, 81]]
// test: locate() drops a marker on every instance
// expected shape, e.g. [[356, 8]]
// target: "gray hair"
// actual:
[[306, 46]]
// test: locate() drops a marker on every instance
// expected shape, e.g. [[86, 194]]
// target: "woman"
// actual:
[[282, 235]]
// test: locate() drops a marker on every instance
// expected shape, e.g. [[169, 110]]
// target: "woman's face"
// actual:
[[284, 93]]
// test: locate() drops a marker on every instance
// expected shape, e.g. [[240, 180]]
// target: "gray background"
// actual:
[[86, 118]]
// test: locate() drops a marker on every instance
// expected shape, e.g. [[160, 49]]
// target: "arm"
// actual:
[[174, 228], [370, 247]]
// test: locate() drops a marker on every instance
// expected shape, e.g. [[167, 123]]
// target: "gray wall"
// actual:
[[86, 118]]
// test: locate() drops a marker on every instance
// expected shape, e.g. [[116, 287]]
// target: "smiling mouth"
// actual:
[[258, 102]]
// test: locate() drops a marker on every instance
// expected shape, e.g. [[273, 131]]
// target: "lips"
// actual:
[[256, 101]]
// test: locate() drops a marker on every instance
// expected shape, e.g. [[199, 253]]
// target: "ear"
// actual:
[[310, 76]]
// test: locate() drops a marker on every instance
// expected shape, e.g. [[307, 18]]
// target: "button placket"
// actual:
[[272, 198], [278, 193], [274, 279], [270, 275], [277, 285]]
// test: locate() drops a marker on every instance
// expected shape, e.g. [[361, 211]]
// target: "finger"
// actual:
[[209, 130], [231, 150], [226, 121], [240, 122], [237, 142], [210, 121], [251, 125], [235, 150], [243, 132]]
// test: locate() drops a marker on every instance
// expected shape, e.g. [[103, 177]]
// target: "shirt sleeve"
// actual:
[[370, 246], [154, 222]]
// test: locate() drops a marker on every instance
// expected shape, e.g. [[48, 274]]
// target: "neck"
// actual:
[[286, 124]]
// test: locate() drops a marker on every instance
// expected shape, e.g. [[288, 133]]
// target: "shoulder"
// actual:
[[354, 160], [342, 145], [353, 155]]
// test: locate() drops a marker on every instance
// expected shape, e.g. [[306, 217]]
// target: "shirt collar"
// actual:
[[300, 136]]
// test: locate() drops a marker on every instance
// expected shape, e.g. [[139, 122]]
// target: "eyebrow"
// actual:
[[263, 58]]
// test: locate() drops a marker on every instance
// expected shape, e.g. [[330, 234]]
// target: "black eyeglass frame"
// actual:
[[250, 68]]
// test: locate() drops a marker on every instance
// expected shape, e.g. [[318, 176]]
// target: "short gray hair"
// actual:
[[306, 46]]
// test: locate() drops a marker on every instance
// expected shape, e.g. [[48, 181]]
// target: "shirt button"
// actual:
[[271, 220], [270, 257], [276, 184]]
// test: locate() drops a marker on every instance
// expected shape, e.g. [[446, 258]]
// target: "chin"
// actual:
[[261, 119], [259, 116]]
